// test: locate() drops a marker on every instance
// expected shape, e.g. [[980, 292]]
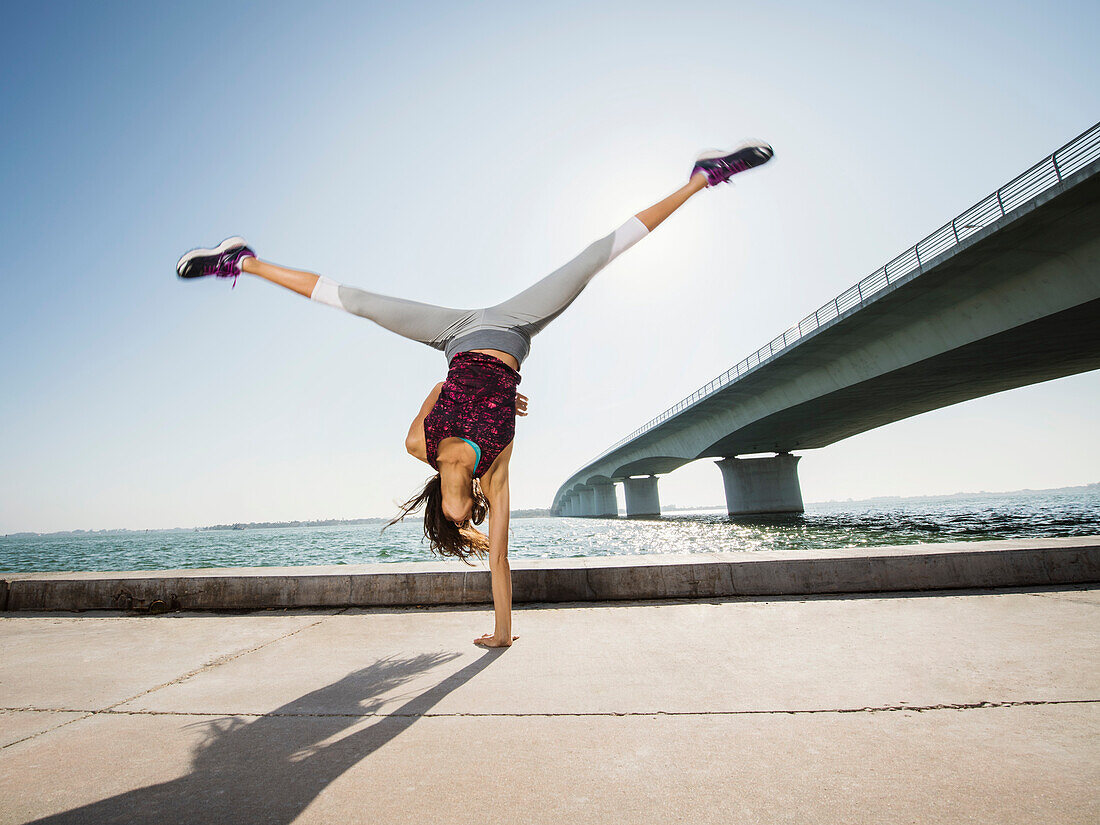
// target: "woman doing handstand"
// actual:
[[466, 424]]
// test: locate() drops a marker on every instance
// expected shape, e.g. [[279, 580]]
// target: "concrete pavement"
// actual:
[[977, 706]]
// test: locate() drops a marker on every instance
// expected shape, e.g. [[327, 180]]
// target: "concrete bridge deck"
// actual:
[[980, 707]]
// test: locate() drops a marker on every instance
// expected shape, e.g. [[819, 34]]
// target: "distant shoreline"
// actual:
[[531, 513]]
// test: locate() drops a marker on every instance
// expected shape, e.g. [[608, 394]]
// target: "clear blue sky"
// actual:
[[454, 153]]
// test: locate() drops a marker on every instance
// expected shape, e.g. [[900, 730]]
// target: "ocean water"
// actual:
[[1074, 511]]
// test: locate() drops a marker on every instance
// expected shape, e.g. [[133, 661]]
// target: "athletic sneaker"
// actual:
[[721, 165], [223, 261]]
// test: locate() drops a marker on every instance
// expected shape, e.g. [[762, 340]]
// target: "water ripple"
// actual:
[[823, 526]]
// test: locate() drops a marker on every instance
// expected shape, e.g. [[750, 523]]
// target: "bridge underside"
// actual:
[[1063, 344]]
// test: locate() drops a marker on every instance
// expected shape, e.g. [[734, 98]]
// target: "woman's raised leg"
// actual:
[[426, 323], [541, 303], [656, 214], [301, 282]]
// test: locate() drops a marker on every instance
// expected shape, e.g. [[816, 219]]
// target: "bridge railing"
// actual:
[[1048, 173]]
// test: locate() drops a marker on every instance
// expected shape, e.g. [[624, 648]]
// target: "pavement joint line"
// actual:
[[221, 660], [550, 714], [87, 715]]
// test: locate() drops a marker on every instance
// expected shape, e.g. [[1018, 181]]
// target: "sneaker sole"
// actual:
[[218, 250]]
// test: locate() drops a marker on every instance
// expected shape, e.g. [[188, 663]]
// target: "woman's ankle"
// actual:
[[698, 181]]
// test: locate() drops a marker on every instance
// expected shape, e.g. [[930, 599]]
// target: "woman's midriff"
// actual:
[[507, 358]]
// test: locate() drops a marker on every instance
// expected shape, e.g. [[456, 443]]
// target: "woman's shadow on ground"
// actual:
[[270, 769]]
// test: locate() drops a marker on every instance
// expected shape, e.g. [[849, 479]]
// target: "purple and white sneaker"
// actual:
[[223, 261], [721, 165]]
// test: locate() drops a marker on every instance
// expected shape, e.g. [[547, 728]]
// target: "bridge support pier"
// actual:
[[586, 502], [641, 497], [604, 502], [756, 486]]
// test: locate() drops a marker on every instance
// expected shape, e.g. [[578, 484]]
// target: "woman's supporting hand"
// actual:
[[490, 640], [521, 404]]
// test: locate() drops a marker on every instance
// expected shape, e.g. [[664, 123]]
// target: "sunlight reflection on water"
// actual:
[[847, 524]]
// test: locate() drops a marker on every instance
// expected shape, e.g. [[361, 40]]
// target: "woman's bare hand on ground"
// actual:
[[521, 404], [490, 640]]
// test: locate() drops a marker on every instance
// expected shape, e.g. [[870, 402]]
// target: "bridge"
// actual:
[[1004, 295]]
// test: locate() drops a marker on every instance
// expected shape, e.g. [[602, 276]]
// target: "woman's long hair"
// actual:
[[445, 538]]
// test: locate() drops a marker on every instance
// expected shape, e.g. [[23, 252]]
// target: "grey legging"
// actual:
[[508, 326]]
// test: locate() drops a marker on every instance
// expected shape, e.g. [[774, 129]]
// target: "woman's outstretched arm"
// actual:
[[497, 493]]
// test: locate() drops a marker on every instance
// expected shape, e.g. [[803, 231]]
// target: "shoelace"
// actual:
[[727, 169], [224, 263], [734, 167]]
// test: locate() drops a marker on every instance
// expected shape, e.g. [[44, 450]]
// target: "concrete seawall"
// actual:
[[1013, 563]]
